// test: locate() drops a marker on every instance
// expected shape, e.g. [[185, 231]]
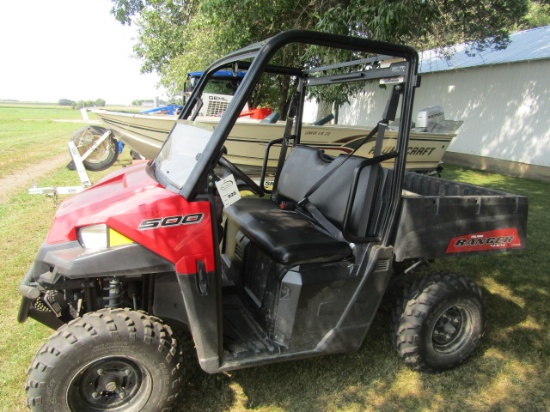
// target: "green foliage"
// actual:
[[124, 10], [138, 102], [219, 27], [81, 104], [429, 24], [538, 15], [178, 36], [161, 32], [89, 103], [65, 102]]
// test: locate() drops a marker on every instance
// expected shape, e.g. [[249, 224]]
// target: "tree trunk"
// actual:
[[324, 108]]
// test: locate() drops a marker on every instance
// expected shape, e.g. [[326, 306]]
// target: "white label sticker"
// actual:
[[228, 190]]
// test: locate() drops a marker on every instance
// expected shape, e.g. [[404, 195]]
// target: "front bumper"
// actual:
[[64, 265]]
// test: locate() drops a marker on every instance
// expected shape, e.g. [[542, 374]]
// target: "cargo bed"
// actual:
[[441, 218]]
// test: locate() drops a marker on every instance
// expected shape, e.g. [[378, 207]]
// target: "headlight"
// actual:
[[98, 237], [93, 237]]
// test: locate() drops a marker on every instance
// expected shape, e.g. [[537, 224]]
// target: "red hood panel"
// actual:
[[134, 204]]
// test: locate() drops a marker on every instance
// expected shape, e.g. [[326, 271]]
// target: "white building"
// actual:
[[503, 97]]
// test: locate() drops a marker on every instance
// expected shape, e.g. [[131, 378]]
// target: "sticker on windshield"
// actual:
[[228, 190]]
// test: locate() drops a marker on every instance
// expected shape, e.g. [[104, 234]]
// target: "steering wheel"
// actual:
[[254, 187]]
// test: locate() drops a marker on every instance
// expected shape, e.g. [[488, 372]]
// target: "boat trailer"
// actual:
[[78, 161]]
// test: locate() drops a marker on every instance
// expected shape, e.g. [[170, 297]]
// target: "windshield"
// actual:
[[181, 152]]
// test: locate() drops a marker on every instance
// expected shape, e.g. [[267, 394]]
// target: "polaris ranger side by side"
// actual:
[[298, 270]]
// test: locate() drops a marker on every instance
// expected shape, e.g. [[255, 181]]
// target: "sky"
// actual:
[[69, 49]]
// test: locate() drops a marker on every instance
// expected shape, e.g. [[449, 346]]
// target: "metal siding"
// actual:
[[367, 108], [505, 108], [532, 44], [503, 96]]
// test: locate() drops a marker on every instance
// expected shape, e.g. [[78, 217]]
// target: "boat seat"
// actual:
[[289, 236]]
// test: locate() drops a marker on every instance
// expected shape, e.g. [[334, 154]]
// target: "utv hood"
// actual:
[[138, 207]]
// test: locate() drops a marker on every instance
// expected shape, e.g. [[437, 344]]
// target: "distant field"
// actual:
[[509, 372], [37, 111], [31, 133]]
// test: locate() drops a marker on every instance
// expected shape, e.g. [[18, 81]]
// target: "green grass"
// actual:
[[509, 372], [30, 134], [24, 223], [33, 133]]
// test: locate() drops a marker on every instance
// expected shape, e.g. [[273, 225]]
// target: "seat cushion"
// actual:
[[287, 236]]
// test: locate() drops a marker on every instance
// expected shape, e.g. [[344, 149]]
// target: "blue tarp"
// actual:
[[167, 109]]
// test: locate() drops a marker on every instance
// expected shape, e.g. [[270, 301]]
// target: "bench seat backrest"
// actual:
[[305, 166]]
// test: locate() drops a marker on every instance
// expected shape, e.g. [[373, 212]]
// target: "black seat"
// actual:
[[287, 236], [306, 165], [291, 238]]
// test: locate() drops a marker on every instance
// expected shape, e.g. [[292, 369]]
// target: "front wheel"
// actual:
[[109, 360], [439, 322]]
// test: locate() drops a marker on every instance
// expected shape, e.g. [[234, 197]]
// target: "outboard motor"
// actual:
[[432, 120]]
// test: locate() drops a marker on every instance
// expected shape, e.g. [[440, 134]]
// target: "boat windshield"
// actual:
[[182, 150]]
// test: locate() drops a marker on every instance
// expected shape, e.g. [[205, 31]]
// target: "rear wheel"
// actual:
[[439, 322], [113, 359]]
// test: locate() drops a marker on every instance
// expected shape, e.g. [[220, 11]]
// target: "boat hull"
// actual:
[[247, 142], [143, 133]]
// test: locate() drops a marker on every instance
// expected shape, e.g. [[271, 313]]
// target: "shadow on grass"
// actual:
[[306, 385], [507, 372], [514, 314]]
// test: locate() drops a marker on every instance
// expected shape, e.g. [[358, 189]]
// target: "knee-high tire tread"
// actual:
[[438, 322], [112, 359]]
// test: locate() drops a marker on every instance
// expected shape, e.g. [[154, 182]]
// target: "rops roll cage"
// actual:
[[396, 64]]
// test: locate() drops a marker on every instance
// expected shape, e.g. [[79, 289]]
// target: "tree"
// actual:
[[537, 16], [124, 10], [172, 45], [65, 102], [427, 24], [178, 36]]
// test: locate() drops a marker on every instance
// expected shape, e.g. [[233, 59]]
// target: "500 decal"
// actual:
[[170, 221]]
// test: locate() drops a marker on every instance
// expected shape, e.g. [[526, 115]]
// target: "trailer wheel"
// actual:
[[104, 156], [439, 322], [112, 359]]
